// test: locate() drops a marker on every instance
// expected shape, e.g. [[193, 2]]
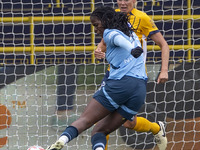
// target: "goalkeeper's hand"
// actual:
[[136, 52], [56, 146]]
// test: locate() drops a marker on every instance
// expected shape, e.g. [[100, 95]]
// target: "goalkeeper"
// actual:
[[144, 27], [123, 94]]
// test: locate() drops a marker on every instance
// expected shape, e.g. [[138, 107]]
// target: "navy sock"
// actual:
[[98, 140], [71, 132]]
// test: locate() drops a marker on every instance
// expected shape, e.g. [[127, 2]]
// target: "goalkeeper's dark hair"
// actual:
[[110, 19]]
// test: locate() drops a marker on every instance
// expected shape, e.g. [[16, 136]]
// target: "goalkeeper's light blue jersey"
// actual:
[[118, 55]]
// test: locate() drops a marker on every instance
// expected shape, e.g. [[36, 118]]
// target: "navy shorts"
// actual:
[[126, 95]]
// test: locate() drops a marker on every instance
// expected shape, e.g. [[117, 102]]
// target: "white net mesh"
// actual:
[[46, 56]]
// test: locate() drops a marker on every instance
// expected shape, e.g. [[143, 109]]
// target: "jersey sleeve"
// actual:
[[148, 26], [116, 39], [108, 36], [122, 42]]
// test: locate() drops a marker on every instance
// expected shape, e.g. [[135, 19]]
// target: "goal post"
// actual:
[[46, 54]]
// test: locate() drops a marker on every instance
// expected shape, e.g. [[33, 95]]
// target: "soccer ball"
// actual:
[[35, 148]]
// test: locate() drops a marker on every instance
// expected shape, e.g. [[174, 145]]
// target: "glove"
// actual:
[[56, 146], [136, 52]]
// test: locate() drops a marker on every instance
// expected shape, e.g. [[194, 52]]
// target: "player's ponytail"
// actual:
[[111, 19]]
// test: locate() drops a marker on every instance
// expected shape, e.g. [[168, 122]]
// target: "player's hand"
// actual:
[[56, 146], [136, 52], [99, 54], [163, 77]]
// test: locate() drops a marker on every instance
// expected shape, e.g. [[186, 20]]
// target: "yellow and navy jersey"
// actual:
[[143, 26]]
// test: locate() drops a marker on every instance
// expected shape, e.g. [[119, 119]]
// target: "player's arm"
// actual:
[[99, 52], [160, 41], [102, 45], [120, 41], [149, 27]]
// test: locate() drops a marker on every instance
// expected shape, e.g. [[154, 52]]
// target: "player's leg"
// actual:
[[102, 84], [92, 113], [141, 124], [104, 127]]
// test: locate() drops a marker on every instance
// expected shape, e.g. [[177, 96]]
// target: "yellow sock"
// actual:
[[107, 138], [144, 125]]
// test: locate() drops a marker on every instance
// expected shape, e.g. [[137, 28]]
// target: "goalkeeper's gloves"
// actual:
[[56, 146], [136, 52]]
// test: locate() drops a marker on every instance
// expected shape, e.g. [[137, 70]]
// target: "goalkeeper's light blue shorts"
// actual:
[[126, 95]]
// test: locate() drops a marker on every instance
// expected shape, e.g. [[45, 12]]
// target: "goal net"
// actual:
[[48, 73]]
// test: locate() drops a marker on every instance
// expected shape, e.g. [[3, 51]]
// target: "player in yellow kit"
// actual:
[[144, 27]]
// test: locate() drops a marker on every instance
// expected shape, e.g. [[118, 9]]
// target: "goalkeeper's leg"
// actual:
[[141, 124], [107, 138]]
